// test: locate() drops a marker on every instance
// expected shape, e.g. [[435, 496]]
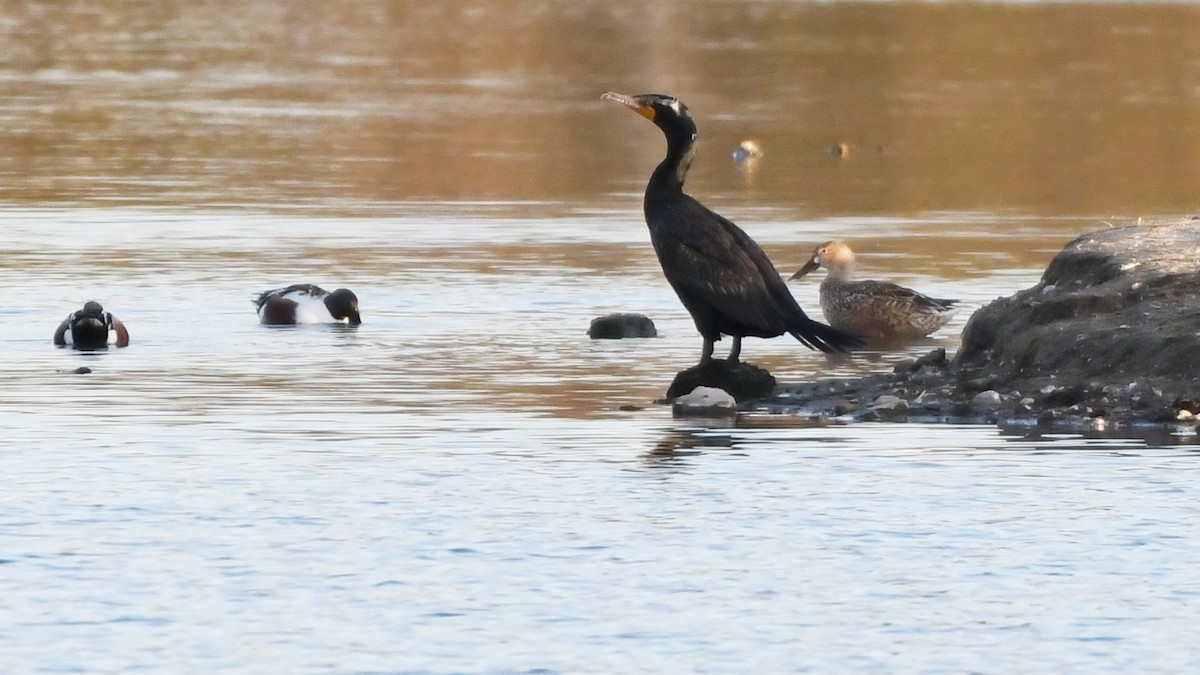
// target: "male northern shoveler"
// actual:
[[876, 310], [88, 328], [305, 303]]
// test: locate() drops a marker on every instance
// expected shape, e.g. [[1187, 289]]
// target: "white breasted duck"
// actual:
[[91, 328], [879, 311], [305, 303]]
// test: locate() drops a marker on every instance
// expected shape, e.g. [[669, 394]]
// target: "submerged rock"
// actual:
[[618, 326], [743, 381], [704, 402], [1109, 338]]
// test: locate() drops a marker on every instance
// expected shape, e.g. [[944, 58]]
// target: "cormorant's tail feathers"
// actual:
[[817, 335]]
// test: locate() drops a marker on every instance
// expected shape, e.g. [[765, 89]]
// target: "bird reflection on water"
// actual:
[[682, 443]]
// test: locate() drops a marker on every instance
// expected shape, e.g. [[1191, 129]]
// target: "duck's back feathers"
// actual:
[[881, 310], [306, 303], [900, 294]]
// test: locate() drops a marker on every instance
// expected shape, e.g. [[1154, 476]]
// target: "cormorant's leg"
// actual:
[[706, 353], [736, 350]]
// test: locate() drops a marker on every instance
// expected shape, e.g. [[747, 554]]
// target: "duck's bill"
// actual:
[[808, 267]]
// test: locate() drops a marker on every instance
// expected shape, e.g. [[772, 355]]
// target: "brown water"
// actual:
[[1063, 110], [466, 483]]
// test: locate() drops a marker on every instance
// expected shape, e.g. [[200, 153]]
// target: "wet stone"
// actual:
[[987, 399], [888, 402], [704, 402], [844, 408], [1112, 341], [620, 326], [743, 381]]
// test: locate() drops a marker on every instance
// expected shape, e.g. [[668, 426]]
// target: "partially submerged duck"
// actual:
[[879, 311], [305, 303], [747, 151], [91, 328]]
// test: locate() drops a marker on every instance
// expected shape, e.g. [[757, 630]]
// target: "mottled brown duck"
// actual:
[[878, 311]]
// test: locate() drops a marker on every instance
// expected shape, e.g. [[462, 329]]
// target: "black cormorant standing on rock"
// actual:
[[723, 278]]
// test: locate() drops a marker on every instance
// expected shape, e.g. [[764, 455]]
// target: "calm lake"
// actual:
[[466, 483]]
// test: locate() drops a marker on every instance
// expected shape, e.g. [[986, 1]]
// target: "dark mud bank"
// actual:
[[1109, 339]]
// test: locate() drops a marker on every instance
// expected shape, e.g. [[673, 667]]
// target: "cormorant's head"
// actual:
[[667, 112]]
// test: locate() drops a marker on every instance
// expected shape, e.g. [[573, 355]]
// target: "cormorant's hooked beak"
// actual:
[[809, 266], [635, 103]]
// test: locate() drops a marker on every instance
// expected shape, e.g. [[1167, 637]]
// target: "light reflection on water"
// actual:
[[428, 490], [466, 483]]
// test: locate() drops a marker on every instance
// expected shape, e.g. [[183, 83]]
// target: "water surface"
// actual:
[[465, 482]]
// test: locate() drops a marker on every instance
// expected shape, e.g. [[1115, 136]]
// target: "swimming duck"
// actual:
[[305, 303], [877, 310], [88, 328]]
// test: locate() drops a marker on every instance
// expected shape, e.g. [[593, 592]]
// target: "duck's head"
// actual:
[[93, 314], [834, 256], [89, 326], [343, 306]]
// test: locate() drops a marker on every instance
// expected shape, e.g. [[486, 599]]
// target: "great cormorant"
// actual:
[[720, 274]]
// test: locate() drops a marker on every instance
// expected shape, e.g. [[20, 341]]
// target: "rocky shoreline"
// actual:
[[929, 390], [1108, 340]]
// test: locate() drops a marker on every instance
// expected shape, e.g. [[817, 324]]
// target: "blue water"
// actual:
[[465, 485], [540, 547]]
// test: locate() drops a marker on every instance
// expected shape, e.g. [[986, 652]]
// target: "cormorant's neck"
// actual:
[[670, 174]]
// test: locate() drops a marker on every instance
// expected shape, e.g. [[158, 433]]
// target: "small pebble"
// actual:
[[986, 398], [888, 402], [844, 408], [704, 401]]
